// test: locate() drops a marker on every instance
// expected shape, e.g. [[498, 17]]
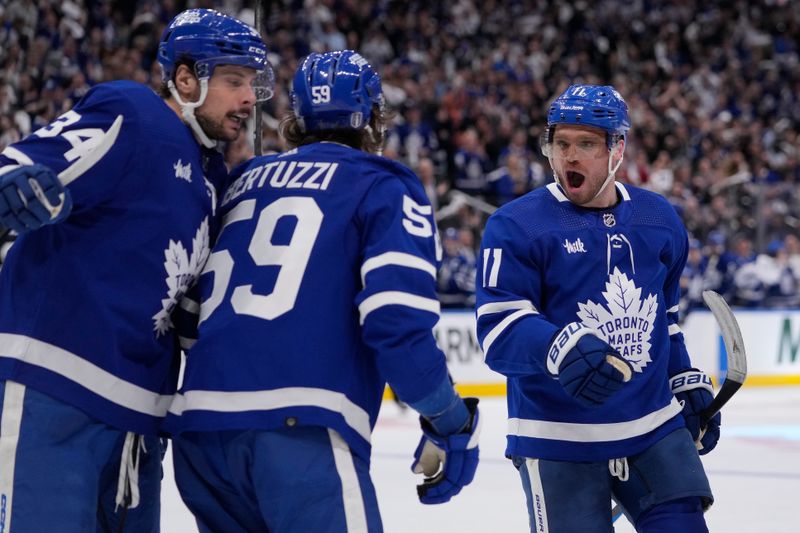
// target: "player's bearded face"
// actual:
[[580, 162], [223, 115]]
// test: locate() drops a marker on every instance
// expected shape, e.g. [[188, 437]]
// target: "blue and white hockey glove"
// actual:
[[30, 197], [588, 368], [447, 461], [694, 391]]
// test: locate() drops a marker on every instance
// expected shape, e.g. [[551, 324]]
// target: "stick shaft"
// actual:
[[257, 119]]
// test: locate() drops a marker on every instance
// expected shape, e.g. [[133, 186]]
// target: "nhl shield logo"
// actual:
[[609, 220]]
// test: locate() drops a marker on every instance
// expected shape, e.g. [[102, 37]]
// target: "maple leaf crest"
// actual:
[[626, 321], [181, 272]]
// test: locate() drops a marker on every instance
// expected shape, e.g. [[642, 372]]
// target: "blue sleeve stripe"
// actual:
[[266, 400], [86, 374], [12, 153], [396, 259], [501, 327], [382, 299], [499, 307]]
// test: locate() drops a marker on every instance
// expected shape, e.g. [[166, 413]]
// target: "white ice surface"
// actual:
[[754, 472]]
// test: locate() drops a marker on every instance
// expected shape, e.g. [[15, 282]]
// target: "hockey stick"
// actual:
[[736, 358], [258, 148], [735, 355]]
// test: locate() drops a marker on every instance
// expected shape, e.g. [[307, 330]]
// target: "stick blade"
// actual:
[[731, 335]]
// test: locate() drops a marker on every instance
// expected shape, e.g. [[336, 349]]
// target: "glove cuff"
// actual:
[[564, 341], [690, 379]]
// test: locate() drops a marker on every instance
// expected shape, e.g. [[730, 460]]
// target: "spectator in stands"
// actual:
[[470, 164], [713, 101], [456, 277], [693, 279]]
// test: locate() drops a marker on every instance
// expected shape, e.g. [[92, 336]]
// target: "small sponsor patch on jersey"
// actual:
[[574, 247], [182, 171]]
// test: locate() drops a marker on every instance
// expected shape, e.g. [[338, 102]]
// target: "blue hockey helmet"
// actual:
[[600, 106], [210, 38], [335, 90]]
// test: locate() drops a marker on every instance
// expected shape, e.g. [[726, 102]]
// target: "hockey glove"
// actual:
[[448, 461], [694, 391], [589, 369], [30, 197]]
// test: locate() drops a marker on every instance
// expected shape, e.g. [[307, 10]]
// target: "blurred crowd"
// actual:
[[713, 89]]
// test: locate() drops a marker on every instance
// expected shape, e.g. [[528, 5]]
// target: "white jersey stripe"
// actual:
[[5, 170], [266, 400], [382, 299], [623, 191], [84, 373], [355, 514], [595, 432], [501, 327], [10, 423], [674, 309], [499, 307], [396, 259], [556, 191], [21, 158], [674, 329]]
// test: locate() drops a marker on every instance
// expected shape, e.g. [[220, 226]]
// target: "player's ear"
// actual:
[[186, 83], [617, 150]]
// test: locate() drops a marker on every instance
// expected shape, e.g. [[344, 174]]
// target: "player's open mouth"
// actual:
[[238, 119], [575, 179]]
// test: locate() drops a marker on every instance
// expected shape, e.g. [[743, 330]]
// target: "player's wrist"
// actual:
[[444, 409]]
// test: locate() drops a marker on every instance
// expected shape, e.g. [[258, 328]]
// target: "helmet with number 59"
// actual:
[[335, 90]]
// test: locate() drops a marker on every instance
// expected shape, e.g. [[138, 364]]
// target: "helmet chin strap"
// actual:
[[609, 177], [187, 112], [611, 173]]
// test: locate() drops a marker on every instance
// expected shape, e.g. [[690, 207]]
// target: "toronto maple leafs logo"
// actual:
[[626, 322], [182, 269]]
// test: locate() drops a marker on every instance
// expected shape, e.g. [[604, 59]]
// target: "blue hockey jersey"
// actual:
[[321, 286], [546, 262], [85, 304]]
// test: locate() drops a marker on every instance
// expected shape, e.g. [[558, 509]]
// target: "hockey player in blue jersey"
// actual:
[[113, 202], [577, 305], [321, 287]]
